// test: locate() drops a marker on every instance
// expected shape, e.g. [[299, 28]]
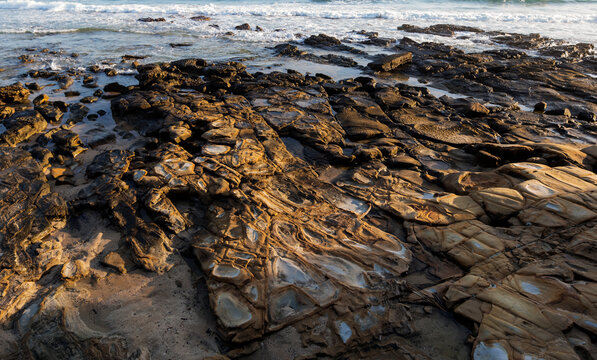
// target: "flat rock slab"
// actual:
[[391, 62]]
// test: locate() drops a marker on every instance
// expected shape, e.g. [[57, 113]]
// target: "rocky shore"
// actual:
[[202, 210]]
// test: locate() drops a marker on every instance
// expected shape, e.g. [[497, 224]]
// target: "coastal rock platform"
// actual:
[[224, 213]]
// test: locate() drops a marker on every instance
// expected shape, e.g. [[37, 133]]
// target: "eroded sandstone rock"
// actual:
[[336, 215]]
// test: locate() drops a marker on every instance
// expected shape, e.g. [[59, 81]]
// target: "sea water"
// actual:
[[104, 30]]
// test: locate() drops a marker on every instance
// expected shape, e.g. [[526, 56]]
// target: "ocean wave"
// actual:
[[323, 11], [45, 31]]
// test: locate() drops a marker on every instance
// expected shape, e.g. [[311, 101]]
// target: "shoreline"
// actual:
[[437, 203]]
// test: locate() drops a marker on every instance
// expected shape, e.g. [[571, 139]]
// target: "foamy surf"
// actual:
[[102, 29]]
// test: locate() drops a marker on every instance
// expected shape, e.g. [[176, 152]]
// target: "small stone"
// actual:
[[6, 111], [60, 105], [64, 81], [57, 172], [74, 270], [89, 99], [476, 109], [41, 99], [71, 93], [201, 18], [78, 112], [42, 155], [26, 59], [540, 107], [33, 86], [149, 19], [244, 26], [114, 260]]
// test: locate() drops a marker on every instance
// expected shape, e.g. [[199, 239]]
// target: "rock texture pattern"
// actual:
[[336, 217]]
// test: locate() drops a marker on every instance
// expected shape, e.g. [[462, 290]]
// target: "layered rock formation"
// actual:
[[334, 217]]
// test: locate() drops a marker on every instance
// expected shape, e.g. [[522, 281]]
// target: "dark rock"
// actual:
[[149, 19], [359, 127], [244, 26], [439, 29], [322, 40], [201, 18], [6, 111], [52, 114], [288, 50], [391, 62], [175, 45], [587, 116], [13, 94], [151, 247], [540, 107], [30, 211], [164, 211], [89, 99], [564, 112], [134, 57], [34, 86], [77, 112], [66, 139], [390, 98], [64, 81], [41, 99], [61, 105], [402, 161], [21, 126], [88, 79], [26, 59], [113, 163], [42, 155], [579, 50]]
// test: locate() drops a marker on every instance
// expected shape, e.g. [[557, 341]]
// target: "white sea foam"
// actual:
[[398, 10], [106, 29]]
